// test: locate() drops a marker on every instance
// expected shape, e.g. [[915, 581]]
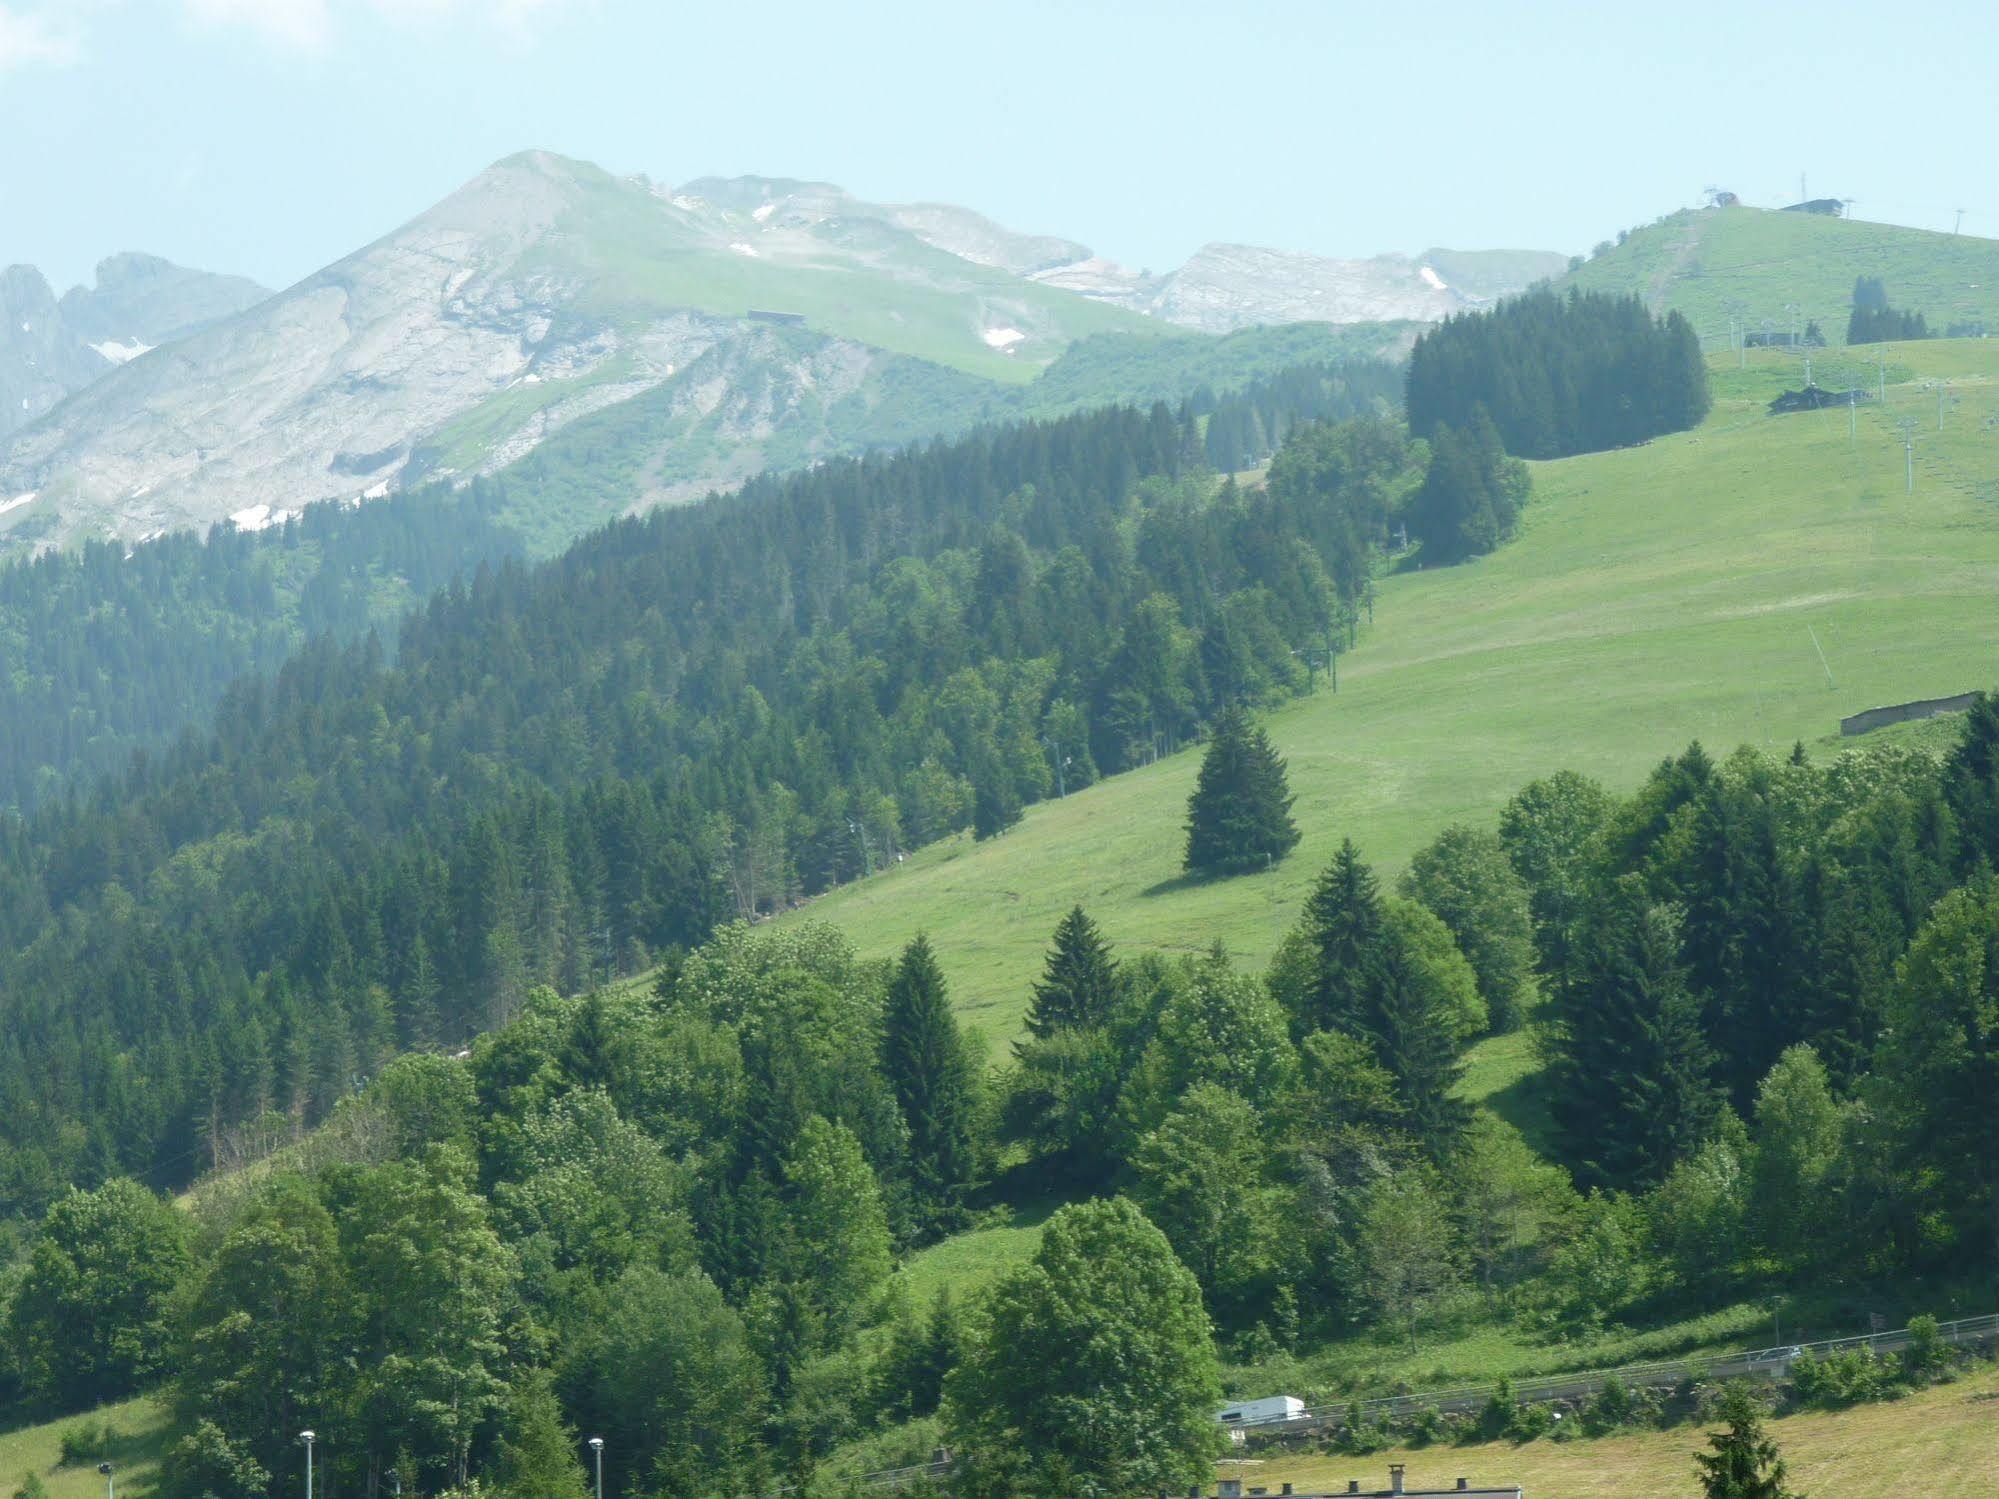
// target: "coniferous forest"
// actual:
[[1560, 374], [570, 769]]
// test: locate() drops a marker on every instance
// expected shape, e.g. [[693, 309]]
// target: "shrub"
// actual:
[[1530, 1421], [1496, 1419], [1426, 1427], [1841, 1379], [1612, 1408], [86, 1442], [1927, 1354]]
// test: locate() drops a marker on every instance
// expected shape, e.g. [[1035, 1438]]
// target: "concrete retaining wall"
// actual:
[[1929, 707]]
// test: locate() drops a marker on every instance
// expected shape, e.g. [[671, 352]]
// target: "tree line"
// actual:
[[1559, 374]]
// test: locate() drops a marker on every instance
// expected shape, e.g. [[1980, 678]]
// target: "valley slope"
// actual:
[[1656, 594]]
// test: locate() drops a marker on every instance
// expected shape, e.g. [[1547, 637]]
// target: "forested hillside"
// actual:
[[570, 769], [111, 650]]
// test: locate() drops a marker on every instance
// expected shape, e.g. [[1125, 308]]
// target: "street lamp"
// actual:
[[110, 1483], [597, 1447], [307, 1437]]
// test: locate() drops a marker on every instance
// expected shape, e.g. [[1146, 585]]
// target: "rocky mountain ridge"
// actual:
[[52, 347], [546, 291]]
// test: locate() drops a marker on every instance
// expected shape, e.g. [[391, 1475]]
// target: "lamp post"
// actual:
[[110, 1482], [597, 1447], [308, 1438]]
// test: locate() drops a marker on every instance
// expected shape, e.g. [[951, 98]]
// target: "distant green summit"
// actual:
[[1768, 269]]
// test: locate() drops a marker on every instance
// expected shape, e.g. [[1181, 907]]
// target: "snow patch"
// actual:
[[122, 353], [1435, 281], [685, 203], [742, 249], [257, 517], [763, 212], [18, 501], [377, 492], [1002, 338]]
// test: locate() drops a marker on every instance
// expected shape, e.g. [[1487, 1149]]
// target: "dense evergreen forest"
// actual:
[[1560, 374], [111, 650], [108, 650], [570, 769]]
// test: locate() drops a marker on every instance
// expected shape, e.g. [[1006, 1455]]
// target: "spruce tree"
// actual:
[[931, 1076], [1744, 1463], [1631, 1068], [1079, 980], [1345, 927], [1239, 817], [1971, 782]]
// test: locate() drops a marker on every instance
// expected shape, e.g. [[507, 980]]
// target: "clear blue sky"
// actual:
[[270, 136]]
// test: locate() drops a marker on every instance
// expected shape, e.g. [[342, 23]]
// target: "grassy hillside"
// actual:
[[1655, 595], [138, 1435], [1752, 263], [1942, 1441]]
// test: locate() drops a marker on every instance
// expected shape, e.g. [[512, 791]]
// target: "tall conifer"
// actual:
[[931, 1076], [1239, 817], [1078, 982]]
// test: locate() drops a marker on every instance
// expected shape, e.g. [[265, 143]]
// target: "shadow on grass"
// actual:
[[1179, 882], [1523, 1103]]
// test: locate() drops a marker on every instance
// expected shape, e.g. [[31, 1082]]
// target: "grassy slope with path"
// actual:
[[1752, 263], [1655, 595], [1941, 1441], [139, 1437]]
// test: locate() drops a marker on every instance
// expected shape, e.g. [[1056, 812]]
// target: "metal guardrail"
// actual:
[[1757, 1361], [1761, 1361]]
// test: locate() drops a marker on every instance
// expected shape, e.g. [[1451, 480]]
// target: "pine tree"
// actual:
[[1079, 982], [995, 804], [1239, 817], [1744, 1463], [932, 1079]]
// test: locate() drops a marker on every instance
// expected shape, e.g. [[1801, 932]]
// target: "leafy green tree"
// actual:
[[1409, 1256], [1699, 1215], [1938, 1062], [1198, 1177], [203, 1464], [934, 1082], [1079, 982], [260, 1333], [592, 1193], [838, 1241], [1548, 830], [1095, 1370], [1800, 1128], [995, 803], [1598, 1267], [434, 1314], [88, 1322], [1239, 816], [1742, 1461], [674, 1386], [1222, 1028], [1465, 878]]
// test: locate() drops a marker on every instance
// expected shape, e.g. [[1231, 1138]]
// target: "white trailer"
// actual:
[[1267, 1411]]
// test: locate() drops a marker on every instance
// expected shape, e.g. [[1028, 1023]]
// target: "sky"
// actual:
[[269, 137]]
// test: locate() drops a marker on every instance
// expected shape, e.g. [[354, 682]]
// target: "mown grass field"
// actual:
[[1942, 1441], [1655, 595], [1752, 264], [139, 1434]]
